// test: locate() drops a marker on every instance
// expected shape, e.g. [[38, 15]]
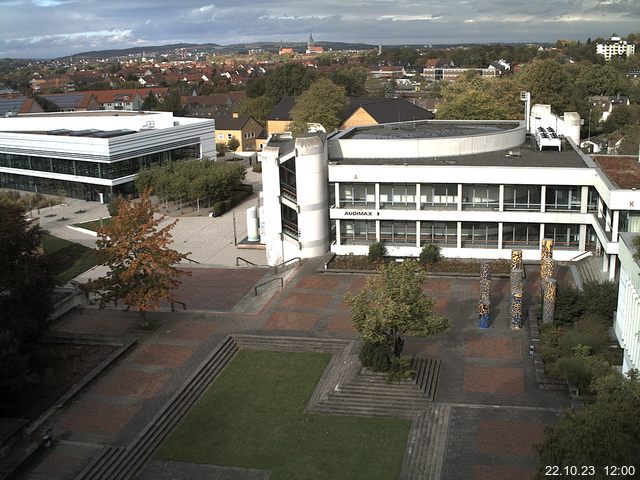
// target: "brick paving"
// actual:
[[498, 413]]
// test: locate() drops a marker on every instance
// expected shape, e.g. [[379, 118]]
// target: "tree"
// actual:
[[549, 83], [150, 102], [324, 103], [288, 79], [602, 434], [257, 107], [393, 304], [233, 144], [141, 264]]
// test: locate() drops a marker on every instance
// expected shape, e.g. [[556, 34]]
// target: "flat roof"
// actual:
[[89, 113], [429, 129], [529, 156], [623, 171]]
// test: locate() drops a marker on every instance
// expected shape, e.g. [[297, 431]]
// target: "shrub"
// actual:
[[375, 356], [430, 254], [587, 331], [400, 368], [257, 167], [14, 369], [569, 304], [377, 251], [600, 300]]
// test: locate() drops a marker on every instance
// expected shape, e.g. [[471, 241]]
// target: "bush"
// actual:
[[600, 300], [375, 356], [400, 369], [257, 167], [589, 332], [377, 251], [430, 254], [569, 304]]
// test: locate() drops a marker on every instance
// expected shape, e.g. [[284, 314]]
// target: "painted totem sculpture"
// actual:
[[484, 307], [549, 301]]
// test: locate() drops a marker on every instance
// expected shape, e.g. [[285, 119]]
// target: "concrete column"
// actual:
[[417, 196], [615, 222], [501, 199], [377, 190], [607, 221], [600, 207], [605, 262], [500, 227], [541, 237], [459, 197], [417, 233], [612, 267], [337, 194], [583, 238], [549, 302], [377, 230], [338, 241], [543, 198], [584, 198], [459, 235]]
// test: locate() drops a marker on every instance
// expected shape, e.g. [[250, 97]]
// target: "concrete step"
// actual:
[[352, 390], [366, 401], [362, 411], [290, 343]]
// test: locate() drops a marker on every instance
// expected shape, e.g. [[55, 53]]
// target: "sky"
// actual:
[[55, 28]]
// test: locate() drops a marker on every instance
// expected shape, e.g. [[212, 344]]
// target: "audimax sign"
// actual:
[[361, 213]]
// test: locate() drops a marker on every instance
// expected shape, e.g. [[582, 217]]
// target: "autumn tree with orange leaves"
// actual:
[[142, 269]]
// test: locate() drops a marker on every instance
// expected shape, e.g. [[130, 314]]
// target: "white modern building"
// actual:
[[476, 188], [615, 47], [94, 155], [627, 320]]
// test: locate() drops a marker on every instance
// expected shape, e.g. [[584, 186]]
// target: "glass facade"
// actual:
[[439, 196], [521, 235], [565, 198], [522, 197], [81, 168], [357, 232], [360, 195], [480, 197], [479, 234], [565, 236], [398, 195], [398, 232], [440, 233]]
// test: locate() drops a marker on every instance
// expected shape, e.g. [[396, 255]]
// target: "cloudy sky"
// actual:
[[52, 28]]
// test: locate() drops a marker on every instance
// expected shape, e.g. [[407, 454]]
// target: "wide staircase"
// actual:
[[589, 269]]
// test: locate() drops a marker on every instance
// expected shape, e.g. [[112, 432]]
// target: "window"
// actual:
[[441, 196], [563, 198], [565, 236], [398, 232], [357, 232], [440, 233], [520, 235], [229, 136], [479, 235], [484, 197], [592, 200], [522, 197], [361, 195], [400, 196]]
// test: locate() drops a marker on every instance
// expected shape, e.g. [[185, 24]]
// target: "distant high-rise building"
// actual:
[[615, 47]]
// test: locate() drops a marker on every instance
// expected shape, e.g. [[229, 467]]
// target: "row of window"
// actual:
[[111, 171], [445, 196], [473, 234]]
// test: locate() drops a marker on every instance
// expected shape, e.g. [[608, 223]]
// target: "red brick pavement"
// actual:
[[291, 321], [341, 323], [101, 322], [438, 286], [132, 383], [97, 417], [188, 330], [494, 347], [493, 380], [509, 437], [319, 282], [309, 300], [163, 355]]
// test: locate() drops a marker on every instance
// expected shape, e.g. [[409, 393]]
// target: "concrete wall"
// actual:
[[627, 317]]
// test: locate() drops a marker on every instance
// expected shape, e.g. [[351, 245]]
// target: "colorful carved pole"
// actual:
[[516, 310], [547, 271], [547, 248], [516, 298], [516, 260], [549, 301], [484, 306]]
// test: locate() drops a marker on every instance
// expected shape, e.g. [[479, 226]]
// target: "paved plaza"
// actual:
[[487, 379]]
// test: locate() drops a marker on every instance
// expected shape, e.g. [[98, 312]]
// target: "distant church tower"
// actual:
[[310, 42]]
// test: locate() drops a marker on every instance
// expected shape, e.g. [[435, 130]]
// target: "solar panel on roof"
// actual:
[[59, 131], [83, 133], [12, 105], [65, 101]]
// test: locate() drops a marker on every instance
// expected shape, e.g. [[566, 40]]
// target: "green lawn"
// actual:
[[94, 225], [253, 417], [67, 259]]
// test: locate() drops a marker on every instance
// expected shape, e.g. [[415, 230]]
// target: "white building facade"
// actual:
[[94, 155], [615, 47], [627, 317], [476, 189]]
